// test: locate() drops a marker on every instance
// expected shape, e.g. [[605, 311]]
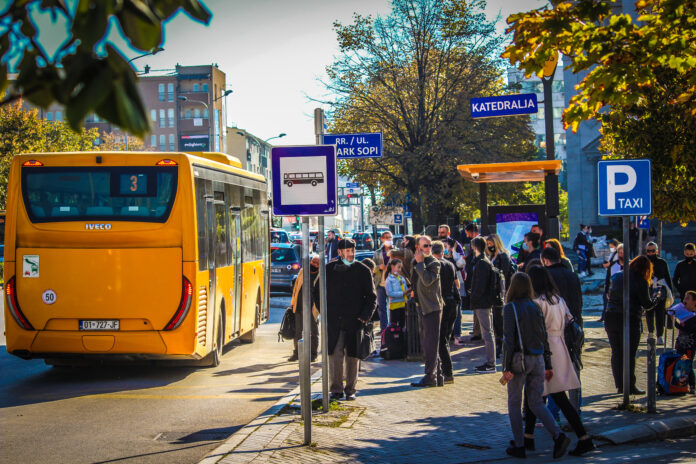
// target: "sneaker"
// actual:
[[516, 452], [449, 379], [560, 445], [582, 447], [336, 396], [660, 341], [293, 358], [485, 369], [350, 397]]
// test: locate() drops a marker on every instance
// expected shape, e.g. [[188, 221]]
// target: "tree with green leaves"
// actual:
[[24, 132], [640, 83], [86, 74], [411, 75]]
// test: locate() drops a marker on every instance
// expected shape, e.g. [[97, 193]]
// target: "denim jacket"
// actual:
[[394, 286]]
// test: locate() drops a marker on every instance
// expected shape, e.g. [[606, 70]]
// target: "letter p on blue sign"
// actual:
[[625, 187]]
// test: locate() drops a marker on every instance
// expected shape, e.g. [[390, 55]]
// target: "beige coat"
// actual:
[[564, 376]]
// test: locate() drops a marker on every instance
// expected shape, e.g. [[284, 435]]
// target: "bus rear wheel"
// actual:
[[250, 336], [215, 358]]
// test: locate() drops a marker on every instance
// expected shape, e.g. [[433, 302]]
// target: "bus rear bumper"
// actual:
[[62, 343]]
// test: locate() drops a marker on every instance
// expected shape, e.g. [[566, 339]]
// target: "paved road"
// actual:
[[144, 414]]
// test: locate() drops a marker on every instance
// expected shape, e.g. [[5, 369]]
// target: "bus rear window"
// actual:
[[136, 193]]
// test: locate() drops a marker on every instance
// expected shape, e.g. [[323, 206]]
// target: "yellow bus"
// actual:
[[136, 255]]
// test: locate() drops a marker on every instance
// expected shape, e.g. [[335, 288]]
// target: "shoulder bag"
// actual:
[[287, 326], [518, 366]]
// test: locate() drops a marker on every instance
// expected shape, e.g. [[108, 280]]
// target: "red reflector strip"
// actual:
[[32, 163], [184, 305], [166, 162], [13, 305]]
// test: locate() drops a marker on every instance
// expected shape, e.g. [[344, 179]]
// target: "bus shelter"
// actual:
[[525, 171]]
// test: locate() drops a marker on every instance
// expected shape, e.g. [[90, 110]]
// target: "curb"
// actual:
[[237, 438], [674, 427]]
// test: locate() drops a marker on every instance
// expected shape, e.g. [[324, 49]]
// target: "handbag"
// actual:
[[287, 326], [366, 341], [518, 366], [574, 338]]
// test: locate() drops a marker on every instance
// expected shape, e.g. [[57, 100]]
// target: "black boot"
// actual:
[[294, 357], [529, 444], [516, 451], [582, 447], [560, 445]]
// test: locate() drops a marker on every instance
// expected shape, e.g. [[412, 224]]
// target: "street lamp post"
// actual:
[[152, 52], [185, 98], [282, 134]]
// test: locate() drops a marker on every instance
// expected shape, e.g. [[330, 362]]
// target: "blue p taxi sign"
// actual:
[[625, 187]]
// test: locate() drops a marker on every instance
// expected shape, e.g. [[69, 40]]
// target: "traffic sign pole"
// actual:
[[305, 344], [626, 327], [319, 131]]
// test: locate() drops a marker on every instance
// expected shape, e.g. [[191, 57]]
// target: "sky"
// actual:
[[274, 53]]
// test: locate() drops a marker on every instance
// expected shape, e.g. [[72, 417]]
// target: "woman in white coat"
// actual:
[[556, 315]]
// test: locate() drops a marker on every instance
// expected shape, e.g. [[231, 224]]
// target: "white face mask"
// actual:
[[387, 243]]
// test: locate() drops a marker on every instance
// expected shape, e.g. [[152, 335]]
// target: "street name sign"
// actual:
[[355, 185], [504, 105], [625, 187], [304, 180], [363, 145], [398, 219], [379, 215]]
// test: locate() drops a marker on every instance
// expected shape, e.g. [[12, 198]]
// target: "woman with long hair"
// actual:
[[565, 378], [555, 244], [499, 256], [526, 363], [640, 275]]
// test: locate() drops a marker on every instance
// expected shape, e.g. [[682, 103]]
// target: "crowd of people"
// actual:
[[521, 308]]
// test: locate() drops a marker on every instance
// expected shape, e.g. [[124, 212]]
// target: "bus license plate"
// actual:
[[275, 270], [100, 325]]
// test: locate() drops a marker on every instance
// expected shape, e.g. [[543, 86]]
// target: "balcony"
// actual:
[[187, 125], [191, 95]]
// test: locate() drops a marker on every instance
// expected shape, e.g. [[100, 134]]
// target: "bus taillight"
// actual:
[[32, 163], [166, 162], [13, 305], [184, 305]]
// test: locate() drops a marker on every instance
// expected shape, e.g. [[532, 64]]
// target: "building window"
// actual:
[[160, 89], [162, 121], [163, 141], [170, 117], [205, 87], [154, 140], [540, 114], [153, 115], [59, 116], [205, 113], [196, 113], [188, 114], [196, 87], [170, 92], [49, 116], [557, 113], [171, 142]]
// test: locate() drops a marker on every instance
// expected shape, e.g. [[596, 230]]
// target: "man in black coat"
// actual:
[[350, 303], [567, 282], [685, 272]]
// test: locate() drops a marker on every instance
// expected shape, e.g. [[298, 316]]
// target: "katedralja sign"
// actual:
[[504, 105], [304, 180]]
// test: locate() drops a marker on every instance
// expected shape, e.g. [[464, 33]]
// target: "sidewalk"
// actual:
[[465, 422]]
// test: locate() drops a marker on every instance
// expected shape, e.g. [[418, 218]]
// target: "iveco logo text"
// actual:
[[98, 226]]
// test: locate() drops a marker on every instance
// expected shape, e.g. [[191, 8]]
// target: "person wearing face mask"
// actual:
[[685, 272], [350, 303], [656, 316], [381, 259], [296, 304], [405, 254], [426, 283], [581, 246], [459, 263], [443, 233], [496, 252]]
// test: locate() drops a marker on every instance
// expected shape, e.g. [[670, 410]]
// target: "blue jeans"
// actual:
[[582, 261], [457, 332], [382, 306]]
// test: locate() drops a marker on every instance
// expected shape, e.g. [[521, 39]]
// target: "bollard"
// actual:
[[414, 348], [652, 373]]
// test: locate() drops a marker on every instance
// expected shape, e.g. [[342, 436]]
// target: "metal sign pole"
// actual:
[[319, 131], [626, 329], [305, 352]]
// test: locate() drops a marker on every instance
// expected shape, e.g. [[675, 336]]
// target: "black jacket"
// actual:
[[482, 292], [639, 296], [685, 277], [532, 328], [660, 269], [503, 262], [350, 294], [331, 249], [531, 255], [448, 274], [569, 287]]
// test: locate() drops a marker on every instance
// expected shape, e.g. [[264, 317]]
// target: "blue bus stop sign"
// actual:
[[625, 187]]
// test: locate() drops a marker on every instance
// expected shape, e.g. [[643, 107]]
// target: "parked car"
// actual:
[[361, 255], [285, 265], [363, 241], [279, 236]]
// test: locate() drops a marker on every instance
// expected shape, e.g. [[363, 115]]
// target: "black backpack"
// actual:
[[287, 326], [393, 342], [498, 284]]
